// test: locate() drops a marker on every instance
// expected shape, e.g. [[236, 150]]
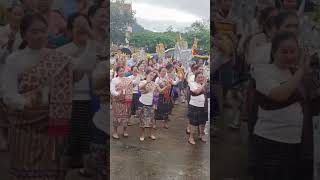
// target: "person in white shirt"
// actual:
[[136, 78], [175, 80], [10, 40], [146, 109], [197, 114], [37, 88], [95, 163], [266, 19], [83, 52], [260, 46], [163, 106], [278, 130], [285, 21], [121, 89]]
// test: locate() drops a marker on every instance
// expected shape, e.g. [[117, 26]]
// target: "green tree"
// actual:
[[119, 21], [199, 30]]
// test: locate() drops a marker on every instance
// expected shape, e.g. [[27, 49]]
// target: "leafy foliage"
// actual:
[[119, 21], [199, 30]]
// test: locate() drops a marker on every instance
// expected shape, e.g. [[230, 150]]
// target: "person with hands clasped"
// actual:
[[146, 109], [197, 114], [82, 52], [278, 132], [163, 106], [121, 89]]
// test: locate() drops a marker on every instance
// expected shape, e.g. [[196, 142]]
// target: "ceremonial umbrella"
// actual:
[[126, 51]]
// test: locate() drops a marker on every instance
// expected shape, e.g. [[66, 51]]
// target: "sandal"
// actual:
[[192, 143], [115, 136]]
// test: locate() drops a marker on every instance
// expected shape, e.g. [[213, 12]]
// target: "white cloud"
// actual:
[[199, 8], [159, 18], [156, 13]]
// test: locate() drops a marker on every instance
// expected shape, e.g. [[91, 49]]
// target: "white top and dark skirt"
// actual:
[[277, 133], [197, 113], [146, 110], [81, 121]]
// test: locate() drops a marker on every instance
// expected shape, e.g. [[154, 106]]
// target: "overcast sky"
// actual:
[[158, 15]]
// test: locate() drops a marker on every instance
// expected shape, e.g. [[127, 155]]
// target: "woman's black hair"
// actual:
[[268, 25], [118, 68], [25, 24], [73, 17], [133, 67], [278, 39], [264, 15], [139, 64], [169, 66], [197, 74], [282, 17], [147, 73], [195, 67]]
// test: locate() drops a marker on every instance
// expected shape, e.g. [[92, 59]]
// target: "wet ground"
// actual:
[[230, 152], [170, 157], [4, 167]]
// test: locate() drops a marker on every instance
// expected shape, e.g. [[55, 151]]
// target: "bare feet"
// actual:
[[115, 136], [188, 130], [203, 139], [191, 141], [165, 125]]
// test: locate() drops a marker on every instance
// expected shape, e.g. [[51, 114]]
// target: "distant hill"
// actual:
[[138, 28]]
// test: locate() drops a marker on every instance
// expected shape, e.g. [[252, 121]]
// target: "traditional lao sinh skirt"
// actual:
[[197, 115], [163, 108], [35, 155], [146, 116], [79, 138], [121, 113]]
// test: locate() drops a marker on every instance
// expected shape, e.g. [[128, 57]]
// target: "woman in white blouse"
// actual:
[[163, 105], [146, 109], [10, 41], [197, 114], [136, 78], [121, 89], [37, 88], [279, 128], [82, 50]]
